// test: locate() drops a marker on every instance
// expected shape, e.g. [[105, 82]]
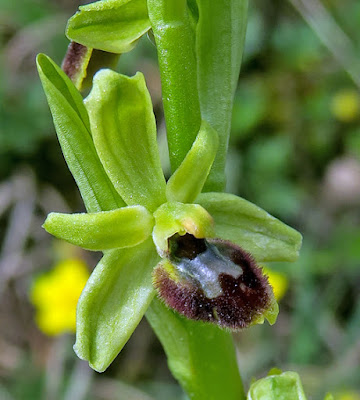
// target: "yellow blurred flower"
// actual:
[[345, 105], [55, 295], [278, 281], [348, 395]]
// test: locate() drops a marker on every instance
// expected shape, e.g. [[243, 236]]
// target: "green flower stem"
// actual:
[[205, 363], [220, 36], [200, 356], [175, 42]]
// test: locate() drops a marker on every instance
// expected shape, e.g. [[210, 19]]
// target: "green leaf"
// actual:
[[124, 131], [202, 357], [175, 42], [124, 227], [113, 302], [112, 25], [73, 130], [172, 218], [220, 37], [251, 228], [188, 180], [286, 386]]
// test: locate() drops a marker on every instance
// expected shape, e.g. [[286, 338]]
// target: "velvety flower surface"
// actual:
[[215, 281], [199, 250]]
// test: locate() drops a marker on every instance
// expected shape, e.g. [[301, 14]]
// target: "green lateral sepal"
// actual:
[[277, 387], [113, 302], [188, 180], [73, 129], [172, 218], [113, 25], [123, 227], [124, 132], [251, 228]]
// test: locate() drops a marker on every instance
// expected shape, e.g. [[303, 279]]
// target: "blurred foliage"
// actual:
[[294, 150]]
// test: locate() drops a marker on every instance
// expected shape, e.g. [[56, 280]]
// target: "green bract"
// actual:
[[220, 37], [133, 213], [285, 386]]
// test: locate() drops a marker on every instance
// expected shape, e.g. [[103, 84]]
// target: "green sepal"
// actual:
[[188, 180], [201, 356], [81, 63], [124, 227], [251, 228], [72, 126], [124, 132], [113, 25], [172, 218], [113, 302], [286, 386], [220, 37]]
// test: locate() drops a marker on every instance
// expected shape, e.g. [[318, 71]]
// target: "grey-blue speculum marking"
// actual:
[[214, 281]]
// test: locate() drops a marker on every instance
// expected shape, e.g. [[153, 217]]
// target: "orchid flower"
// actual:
[[196, 252]]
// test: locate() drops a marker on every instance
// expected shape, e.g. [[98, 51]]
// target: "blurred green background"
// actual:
[[294, 150]]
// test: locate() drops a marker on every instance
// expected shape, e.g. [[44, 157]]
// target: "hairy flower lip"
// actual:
[[244, 300]]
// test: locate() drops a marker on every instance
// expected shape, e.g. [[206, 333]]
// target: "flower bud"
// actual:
[[215, 281]]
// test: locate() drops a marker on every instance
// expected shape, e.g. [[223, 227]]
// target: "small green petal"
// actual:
[[113, 302], [73, 130], [251, 228], [188, 180], [112, 25], [124, 227], [124, 132], [286, 386], [172, 218]]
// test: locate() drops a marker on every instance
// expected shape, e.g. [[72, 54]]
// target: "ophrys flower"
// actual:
[[140, 221]]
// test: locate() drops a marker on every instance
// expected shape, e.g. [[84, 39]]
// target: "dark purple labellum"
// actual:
[[214, 281]]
